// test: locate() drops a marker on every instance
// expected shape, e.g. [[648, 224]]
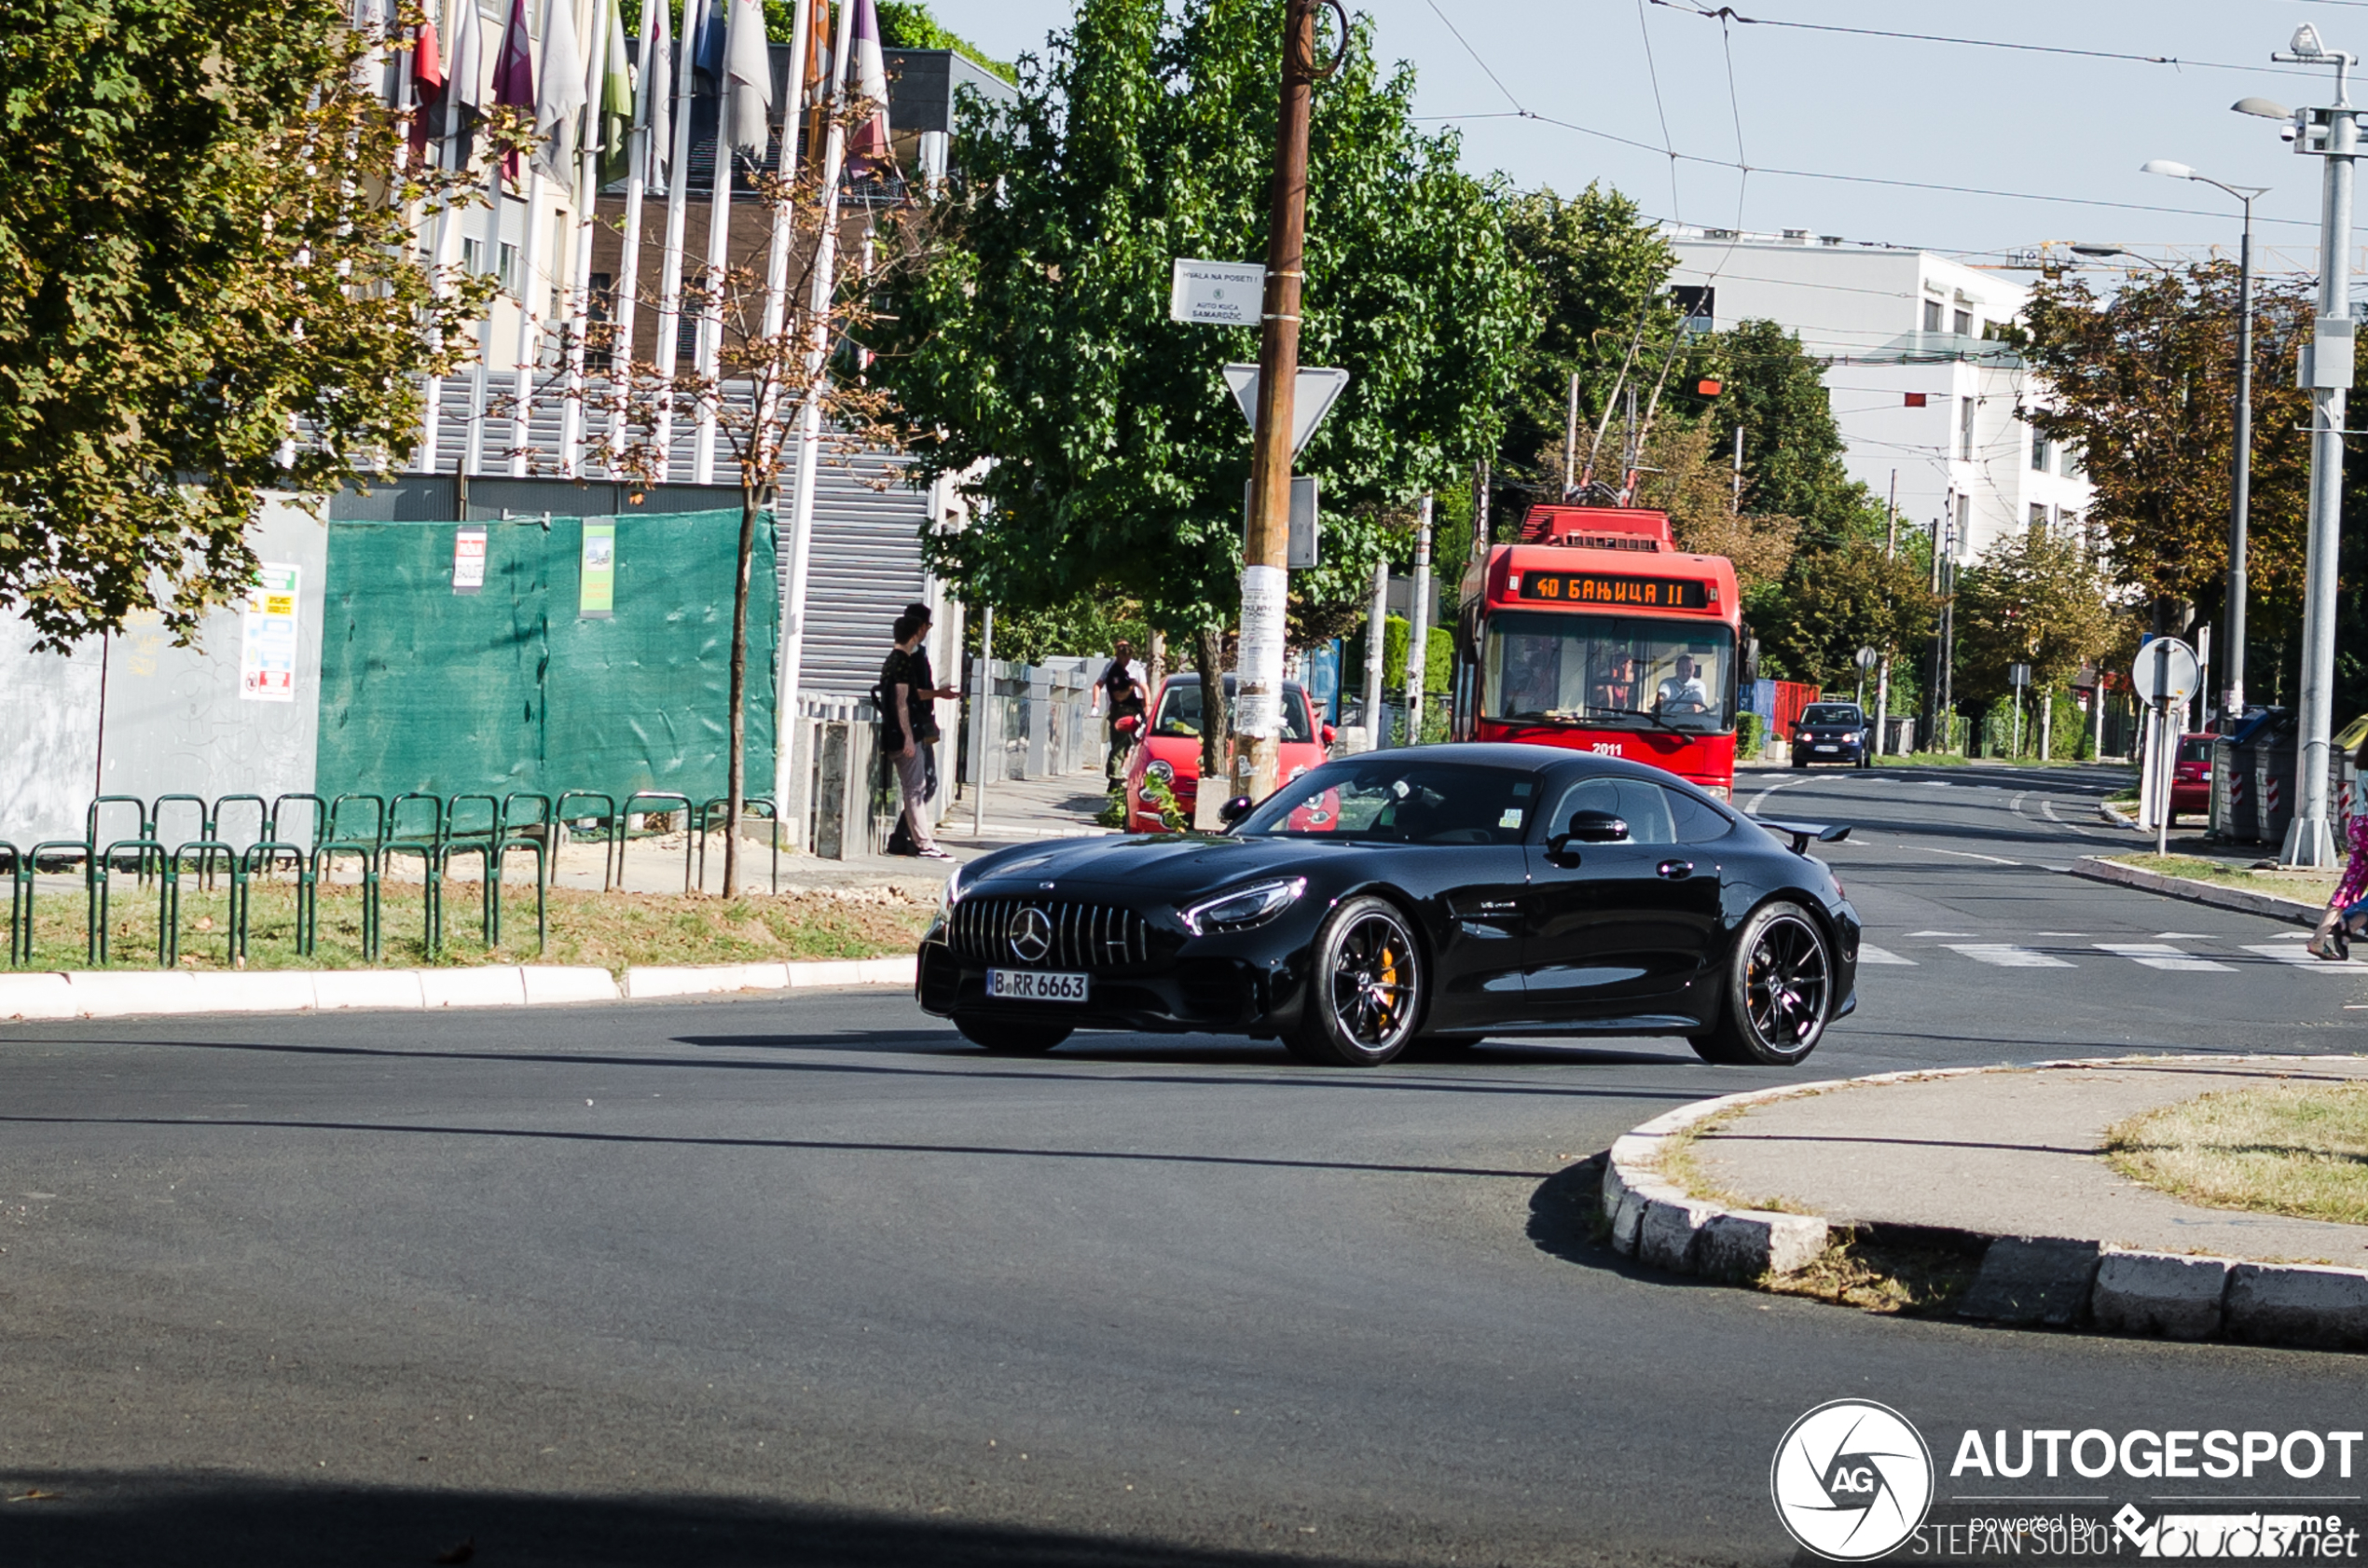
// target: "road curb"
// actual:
[[2051, 1281], [2098, 869], [41, 998]]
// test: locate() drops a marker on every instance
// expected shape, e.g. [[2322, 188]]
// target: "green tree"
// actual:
[[1602, 269], [1035, 358], [1774, 393], [2142, 385], [907, 25], [2034, 598], [204, 255], [1836, 602]]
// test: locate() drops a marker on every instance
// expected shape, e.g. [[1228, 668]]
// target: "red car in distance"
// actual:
[[2191, 775], [1171, 751]]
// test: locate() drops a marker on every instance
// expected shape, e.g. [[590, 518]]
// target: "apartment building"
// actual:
[[1930, 402]]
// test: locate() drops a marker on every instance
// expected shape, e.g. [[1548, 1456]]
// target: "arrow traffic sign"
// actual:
[[2165, 670], [1312, 397]]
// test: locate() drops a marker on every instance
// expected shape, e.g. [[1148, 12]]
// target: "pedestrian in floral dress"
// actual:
[[2349, 904]]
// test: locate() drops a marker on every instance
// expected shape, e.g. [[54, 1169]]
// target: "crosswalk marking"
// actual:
[[2006, 955], [1870, 953], [2296, 957], [2161, 955]]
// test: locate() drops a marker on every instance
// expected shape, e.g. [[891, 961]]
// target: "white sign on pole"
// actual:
[[1217, 293], [267, 635], [1313, 395], [1304, 553], [2167, 670]]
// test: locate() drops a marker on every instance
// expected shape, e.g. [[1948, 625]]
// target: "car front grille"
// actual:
[[1083, 936]]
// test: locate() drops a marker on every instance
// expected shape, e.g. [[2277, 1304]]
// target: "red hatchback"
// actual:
[[2191, 775], [1171, 752]]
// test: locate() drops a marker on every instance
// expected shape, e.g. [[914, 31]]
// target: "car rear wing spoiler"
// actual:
[[1802, 832]]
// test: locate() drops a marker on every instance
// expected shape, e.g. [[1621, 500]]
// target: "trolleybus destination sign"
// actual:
[[1600, 587]]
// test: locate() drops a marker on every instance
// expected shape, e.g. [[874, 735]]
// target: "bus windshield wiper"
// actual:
[[1655, 716]]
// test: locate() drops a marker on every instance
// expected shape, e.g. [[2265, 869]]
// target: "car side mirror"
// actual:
[[1330, 735], [1597, 827], [1233, 810], [1128, 725]]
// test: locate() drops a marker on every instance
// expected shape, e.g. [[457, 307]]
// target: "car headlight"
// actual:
[[953, 892], [1243, 907], [1161, 772]]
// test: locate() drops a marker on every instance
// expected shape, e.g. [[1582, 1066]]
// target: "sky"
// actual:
[[2058, 137]]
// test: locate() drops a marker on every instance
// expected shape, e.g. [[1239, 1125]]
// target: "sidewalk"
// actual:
[[2004, 1166]]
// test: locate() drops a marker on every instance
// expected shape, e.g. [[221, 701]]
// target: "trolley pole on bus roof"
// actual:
[[1266, 551]]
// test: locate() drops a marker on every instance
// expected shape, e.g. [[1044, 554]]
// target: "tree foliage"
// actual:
[[1697, 490], [2144, 386], [2036, 596], [1035, 358], [1602, 269], [1833, 602], [1774, 393], [208, 291]]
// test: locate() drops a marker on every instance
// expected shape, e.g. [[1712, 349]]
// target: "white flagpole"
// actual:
[[810, 430], [446, 231], [670, 266], [596, 64], [481, 373], [628, 288], [710, 339], [776, 266], [529, 344]]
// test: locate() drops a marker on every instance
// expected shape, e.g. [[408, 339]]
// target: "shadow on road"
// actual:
[[62, 1519]]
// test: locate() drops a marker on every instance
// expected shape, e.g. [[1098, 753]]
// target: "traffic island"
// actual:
[[1825, 1189], [2300, 897]]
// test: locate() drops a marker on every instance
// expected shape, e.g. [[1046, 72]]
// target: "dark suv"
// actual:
[[1832, 732]]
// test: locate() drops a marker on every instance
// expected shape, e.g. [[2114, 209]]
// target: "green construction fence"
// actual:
[[521, 684]]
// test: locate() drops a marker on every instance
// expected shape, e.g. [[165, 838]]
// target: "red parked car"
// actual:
[[2191, 775], [1171, 752]]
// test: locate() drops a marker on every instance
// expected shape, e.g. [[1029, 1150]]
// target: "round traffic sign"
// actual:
[[1867, 657], [2167, 670]]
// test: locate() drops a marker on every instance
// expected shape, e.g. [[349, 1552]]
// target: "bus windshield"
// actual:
[[1615, 672]]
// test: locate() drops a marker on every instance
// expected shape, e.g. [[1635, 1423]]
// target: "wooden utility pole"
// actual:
[[1266, 553]]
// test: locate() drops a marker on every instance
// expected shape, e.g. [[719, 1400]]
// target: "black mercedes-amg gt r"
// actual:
[[1438, 893]]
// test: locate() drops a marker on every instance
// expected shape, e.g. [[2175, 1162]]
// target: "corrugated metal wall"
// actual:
[[865, 568]]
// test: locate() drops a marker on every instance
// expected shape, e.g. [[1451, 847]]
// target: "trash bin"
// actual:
[[2252, 779]]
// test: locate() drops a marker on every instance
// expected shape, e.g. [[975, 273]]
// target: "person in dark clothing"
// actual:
[[1122, 696], [908, 692]]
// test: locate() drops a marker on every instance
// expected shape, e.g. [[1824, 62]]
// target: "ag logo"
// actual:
[[1852, 1480], [1031, 934]]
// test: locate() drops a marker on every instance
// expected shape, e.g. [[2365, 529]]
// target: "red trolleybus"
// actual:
[[1596, 632]]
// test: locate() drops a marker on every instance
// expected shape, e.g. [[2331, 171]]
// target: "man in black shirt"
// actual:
[[908, 692], [1122, 683]]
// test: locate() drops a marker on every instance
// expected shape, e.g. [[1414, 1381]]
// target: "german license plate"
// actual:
[[1035, 986]]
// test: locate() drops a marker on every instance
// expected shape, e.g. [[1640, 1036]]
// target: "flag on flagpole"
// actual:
[[869, 146], [514, 73], [615, 100], [749, 72], [655, 108], [560, 94], [463, 73], [428, 83], [706, 45]]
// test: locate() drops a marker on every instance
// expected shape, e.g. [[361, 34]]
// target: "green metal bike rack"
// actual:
[[90, 818], [323, 855], [222, 826], [259, 859], [467, 838], [20, 924], [748, 808], [169, 904], [320, 826], [26, 868], [377, 804], [688, 832], [611, 850], [102, 867], [430, 847]]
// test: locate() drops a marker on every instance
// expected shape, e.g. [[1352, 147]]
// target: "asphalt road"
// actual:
[[809, 1281]]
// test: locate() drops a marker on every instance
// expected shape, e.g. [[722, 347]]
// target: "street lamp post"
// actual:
[[2241, 458], [2333, 134]]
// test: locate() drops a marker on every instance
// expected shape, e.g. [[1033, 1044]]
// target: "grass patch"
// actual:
[[613, 931], [2310, 887], [2289, 1149], [1904, 1279]]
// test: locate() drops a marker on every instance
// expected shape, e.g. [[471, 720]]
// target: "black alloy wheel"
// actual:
[[1779, 992], [1364, 988], [1011, 1036]]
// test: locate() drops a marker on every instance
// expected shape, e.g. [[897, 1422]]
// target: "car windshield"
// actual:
[[1180, 711], [1616, 672], [1398, 800], [2197, 749], [1830, 713]]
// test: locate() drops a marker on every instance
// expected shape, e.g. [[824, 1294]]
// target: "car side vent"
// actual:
[[1076, 936]]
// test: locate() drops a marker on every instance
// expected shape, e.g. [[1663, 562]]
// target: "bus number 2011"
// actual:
[[1607, 748]]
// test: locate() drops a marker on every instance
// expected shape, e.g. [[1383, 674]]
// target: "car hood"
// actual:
[[1161, 864]]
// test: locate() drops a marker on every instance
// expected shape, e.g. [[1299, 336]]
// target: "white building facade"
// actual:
[[1930, 403]]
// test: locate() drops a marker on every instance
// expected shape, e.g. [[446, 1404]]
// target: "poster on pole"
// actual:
[[468, 560], [1217, 293], [267, 635], [595, 596]]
